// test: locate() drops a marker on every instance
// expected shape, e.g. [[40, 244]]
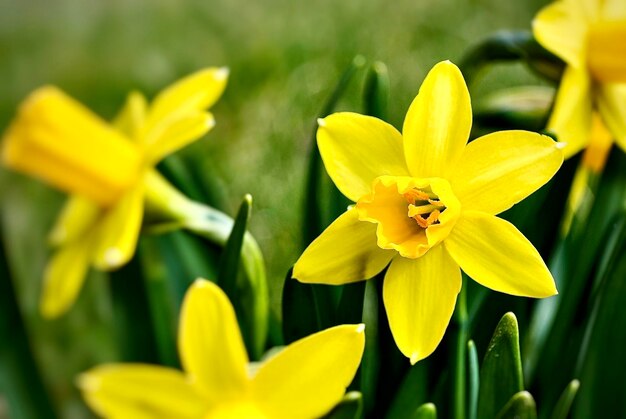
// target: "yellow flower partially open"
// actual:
[[590, 36], [304, 380], [425, 205], [109, 170]]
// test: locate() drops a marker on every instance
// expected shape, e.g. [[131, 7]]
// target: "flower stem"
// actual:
[[460, 354]]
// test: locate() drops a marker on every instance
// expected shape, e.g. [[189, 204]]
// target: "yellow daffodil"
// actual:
[[425, 205], [109, 170], [590, 36], [304, 380]]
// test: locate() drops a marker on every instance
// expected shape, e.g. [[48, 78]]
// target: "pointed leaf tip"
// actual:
[[520, 406], [426, 411]]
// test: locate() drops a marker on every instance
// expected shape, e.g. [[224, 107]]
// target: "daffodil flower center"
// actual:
[[412, 214], [424, 207], [606, 51]]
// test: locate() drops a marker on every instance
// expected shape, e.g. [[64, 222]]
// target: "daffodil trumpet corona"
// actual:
[[425, 207], [109, 170], [590, 37], [303, 380]]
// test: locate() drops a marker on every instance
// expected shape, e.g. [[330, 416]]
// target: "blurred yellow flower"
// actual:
[[426, 202], [590, 36], [109, 170], [304, 380]]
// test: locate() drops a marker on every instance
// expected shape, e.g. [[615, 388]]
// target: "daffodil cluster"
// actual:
[[590, 36]]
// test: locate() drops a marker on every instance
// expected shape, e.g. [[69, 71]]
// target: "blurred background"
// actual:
[[285, 57]]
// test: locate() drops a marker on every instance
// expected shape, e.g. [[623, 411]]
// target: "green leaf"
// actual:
[[376, 91], [602, 353], [323, 202], [474, 380], [320, 212], [370, 364], [501, 372], [425, 411], [231, 255], [298, 309], [350, 407], [562, 408], [249, 298], [134, 325], [20, 380], [562, 324], [521, 406], [460, 365]]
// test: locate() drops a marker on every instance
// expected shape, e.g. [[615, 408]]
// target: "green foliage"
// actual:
[[501, 371]]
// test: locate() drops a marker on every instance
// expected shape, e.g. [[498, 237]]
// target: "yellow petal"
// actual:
[[140, 391], [58, 140], [345, 252], [495, 254], [419, 296], [177, 134], [356, 149], [64, 276], [561, 28], [131, 117], [438, 123], [210, 343], [237, 409], [196, 92], [310, 376], [597, 151], [498, 170], [613, 9], [78, 216], [606, 51], [571, 117], [118, 231], [612, 108]]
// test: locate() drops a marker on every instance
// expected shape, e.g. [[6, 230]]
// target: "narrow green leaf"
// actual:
[[231, 255], [370, 364], [350, 407], [323, 202], [574, 270], [602, 353], [131, 313], [20, 380], [562, 408], [474, 380], [376, 91], [298, 307], [316, 214], [241, 291], [350, 308], [501, 372], [412, 392], [460, 373], [521, 406], [163, 302], [425, 411], [216, 227]]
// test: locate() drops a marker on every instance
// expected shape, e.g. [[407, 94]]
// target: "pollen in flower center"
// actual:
[[412, 214], [424, 207]]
